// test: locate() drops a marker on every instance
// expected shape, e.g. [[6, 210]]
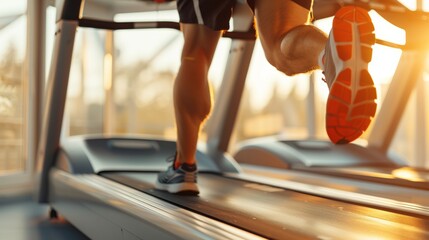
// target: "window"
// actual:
[[85, 96], [13, 27], [145, 69], [411, 138], [146, 65]]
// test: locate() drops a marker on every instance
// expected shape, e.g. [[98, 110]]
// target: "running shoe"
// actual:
[[182, 180], [351, 103]]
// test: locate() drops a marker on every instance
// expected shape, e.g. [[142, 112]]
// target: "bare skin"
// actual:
[[289, 44], [192, 100]]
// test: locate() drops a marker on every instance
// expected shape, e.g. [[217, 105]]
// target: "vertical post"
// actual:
[[36, 74], [222, 120], [68, 12], [109, 107], [420, 127], [311, 107]]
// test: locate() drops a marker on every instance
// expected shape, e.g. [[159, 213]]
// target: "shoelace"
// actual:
[[323, 78]]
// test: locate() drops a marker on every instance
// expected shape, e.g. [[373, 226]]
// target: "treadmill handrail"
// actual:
[[112, 25], [413, 22]]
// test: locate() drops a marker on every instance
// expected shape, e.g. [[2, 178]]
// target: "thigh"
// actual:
[[274, 18]]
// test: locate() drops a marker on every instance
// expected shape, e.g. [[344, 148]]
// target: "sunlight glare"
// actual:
[[387, 31]]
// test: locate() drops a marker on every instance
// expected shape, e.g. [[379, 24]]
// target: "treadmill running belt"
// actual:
[[277, 213]]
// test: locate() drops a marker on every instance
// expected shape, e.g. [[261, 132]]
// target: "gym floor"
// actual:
[[21, 218]]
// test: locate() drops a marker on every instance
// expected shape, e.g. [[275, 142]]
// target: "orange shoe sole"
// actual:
[[352, 98]]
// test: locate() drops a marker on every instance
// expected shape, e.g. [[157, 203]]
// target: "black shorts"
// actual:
[[215, 14]]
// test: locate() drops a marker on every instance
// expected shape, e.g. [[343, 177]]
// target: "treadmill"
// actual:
[[370, 163], [104, 185]]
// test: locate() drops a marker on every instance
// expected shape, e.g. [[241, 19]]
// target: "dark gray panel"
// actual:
[[310, 153], [97, 154]]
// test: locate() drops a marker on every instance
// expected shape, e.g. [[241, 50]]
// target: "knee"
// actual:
[[296, 51], [290, 67], [284, 59]]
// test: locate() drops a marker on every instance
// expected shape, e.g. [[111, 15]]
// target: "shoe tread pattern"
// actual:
[[352, 99]]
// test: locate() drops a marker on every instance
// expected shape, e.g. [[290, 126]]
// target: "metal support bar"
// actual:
[[55, 100], [69, 9], [409, 70], [221, 123], [110, 25], [36, 76]]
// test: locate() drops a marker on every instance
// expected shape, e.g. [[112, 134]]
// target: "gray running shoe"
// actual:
[[182, 180]]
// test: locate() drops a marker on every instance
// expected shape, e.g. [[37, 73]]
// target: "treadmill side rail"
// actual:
[[103, 209]]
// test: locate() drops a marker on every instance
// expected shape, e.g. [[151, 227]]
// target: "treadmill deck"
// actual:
[[284, 213]]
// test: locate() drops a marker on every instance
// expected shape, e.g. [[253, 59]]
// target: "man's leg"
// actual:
[[294, 47], [192, 100], [192, 104]]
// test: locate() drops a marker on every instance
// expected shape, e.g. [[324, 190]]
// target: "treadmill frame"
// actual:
[[99, 207]]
